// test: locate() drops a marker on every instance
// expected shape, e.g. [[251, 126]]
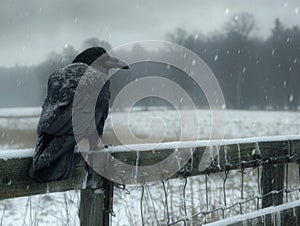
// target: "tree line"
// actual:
[[253, 72]]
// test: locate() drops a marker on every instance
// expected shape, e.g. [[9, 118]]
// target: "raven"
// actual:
[[53, 158]]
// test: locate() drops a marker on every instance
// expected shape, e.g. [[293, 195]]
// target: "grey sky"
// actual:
[[30, 29]]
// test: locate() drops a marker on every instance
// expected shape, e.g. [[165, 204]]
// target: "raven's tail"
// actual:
[[53, 159]]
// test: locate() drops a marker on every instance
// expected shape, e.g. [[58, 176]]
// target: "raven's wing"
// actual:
[[56, 117], [56, 142], [57, 109]]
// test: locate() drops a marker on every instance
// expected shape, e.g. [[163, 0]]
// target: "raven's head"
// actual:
[[104, 61]]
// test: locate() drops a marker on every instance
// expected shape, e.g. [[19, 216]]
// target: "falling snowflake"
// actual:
[[273, 52], [284, 83], [226, 11]]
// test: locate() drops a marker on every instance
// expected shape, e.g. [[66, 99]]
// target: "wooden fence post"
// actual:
[[272, 180], [95, 202], [91, 208]]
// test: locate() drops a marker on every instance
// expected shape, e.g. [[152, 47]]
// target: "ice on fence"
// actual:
[[255, 214], [20, 112], [16, 154]]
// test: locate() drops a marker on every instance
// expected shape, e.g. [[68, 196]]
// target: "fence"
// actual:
[[271, 157]]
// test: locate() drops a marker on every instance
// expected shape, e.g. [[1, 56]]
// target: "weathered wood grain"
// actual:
[[14, 181]]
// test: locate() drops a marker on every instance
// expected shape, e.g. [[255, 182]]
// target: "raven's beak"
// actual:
[[116, 63]]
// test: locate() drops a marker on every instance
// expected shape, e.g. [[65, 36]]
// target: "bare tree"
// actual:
[[239, 29], [179, 36], [94, 41], [241, 25]]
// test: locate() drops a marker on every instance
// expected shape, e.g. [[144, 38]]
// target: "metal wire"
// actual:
[[224, 183], [209, 209], [184, 198], [141, 204], [286, 180], [166, 202], [152, 202], [242, 189], [206, 194], [234, 204], [258, 187], [123, 188]]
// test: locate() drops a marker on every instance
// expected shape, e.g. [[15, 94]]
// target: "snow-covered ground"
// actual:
[[17, 130], [157, 125], [20, 112]]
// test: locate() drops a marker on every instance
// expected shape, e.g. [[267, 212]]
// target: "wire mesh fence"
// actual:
[[202, 199], [244, 176]]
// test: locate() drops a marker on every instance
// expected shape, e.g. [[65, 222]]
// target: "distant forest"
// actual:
[[254, 73]]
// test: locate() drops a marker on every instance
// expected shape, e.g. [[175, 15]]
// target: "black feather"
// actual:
[[53, 159]]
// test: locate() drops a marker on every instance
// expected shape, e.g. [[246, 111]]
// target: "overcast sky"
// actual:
[[31, 29]]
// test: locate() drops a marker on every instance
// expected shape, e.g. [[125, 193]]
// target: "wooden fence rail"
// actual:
[[229, 155]]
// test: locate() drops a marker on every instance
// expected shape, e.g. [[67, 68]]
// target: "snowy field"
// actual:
[[18, 126], [17, 130]]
